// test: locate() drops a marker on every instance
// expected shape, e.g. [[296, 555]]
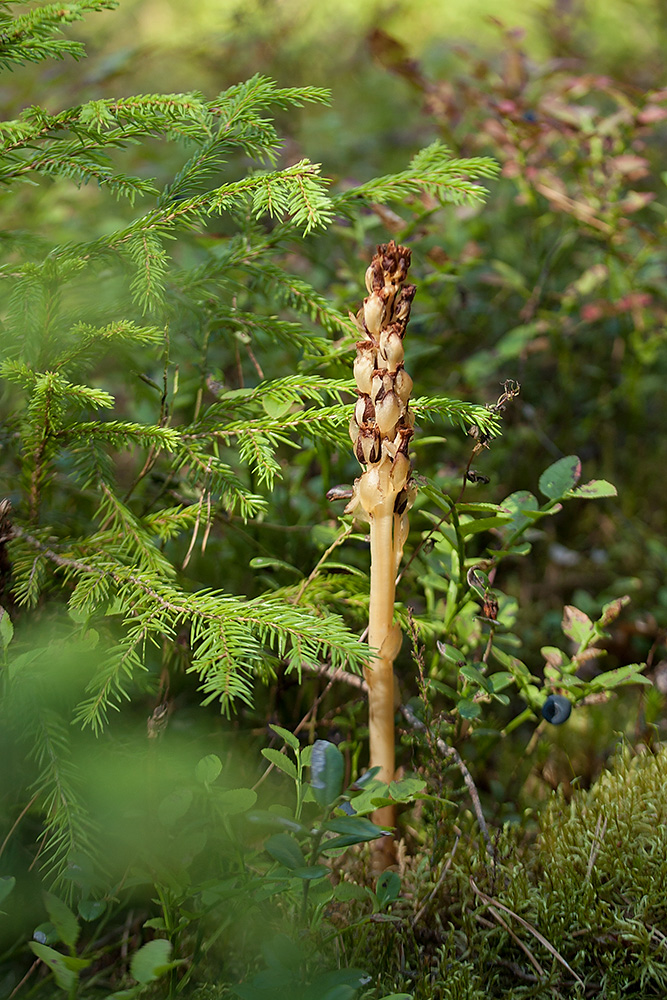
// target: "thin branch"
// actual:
[[154, 450], [25, 978], [16, 823], [598, 837], [38, 459], [338, 674], [431, 896], [524, 947], [446, 752], [334, 675], [529, 927], [347, 531]]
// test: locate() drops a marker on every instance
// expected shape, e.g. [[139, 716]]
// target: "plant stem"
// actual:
[[380, 672], [381, 430]]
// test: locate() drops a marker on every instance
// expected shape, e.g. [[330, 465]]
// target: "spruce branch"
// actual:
[[29, 37], [298, 294], [84, 342], [297, 192], [290, 389], [229, 123], [232, 640], [79, 161], [459, 413], [68, 829], [259, 93], [431, 170], [272, 328]]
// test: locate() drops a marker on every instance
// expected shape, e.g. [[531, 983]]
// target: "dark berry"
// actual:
[[556, 709]]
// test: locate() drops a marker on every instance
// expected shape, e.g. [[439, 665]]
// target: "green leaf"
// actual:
[[356, 830], [262, 817], [156, 924], [264, 562], [290, 739], [282, 952], [365, 801], [515, 666], [62, 918], [7, 883], [208, 769], [593, 490], [91, 909], [369, 775], [537, 515], [234, 801], [464, 508], [275, 407], [473, 675], [280, 761], [500, 680], [630, 674], [574, 685], [45, 933], [6, 628], [553, 655], [387, 888], [283, 848], [345, 891], [442, 500], [151, 961], [520, 549], [64, 968], [450, 653], [378, 793], [327, 770], [518, 504], [560, 477], [405, 789], [311, 873], [174, 806], [611, 611], [468, 709], [576, 624], [474, 527], [348, 839], [338, 984]]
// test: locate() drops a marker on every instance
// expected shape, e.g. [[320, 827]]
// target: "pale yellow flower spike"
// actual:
[[381, 430]]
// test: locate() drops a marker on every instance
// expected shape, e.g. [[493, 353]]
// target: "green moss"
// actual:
[[602, 867], [579, 911]]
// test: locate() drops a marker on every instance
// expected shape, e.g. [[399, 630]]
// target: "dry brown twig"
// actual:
[[447, 751], [494, 904]]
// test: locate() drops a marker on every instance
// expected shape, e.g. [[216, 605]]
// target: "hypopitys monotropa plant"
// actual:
[[381, 429]]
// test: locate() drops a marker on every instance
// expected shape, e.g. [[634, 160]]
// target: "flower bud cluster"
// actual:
[[382, 425]]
